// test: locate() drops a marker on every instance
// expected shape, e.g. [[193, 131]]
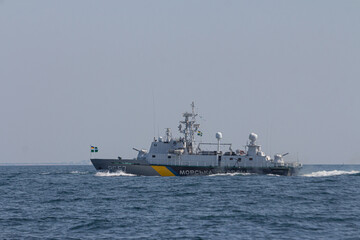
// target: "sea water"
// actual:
[[76, 202]]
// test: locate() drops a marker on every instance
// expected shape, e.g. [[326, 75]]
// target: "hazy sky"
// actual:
[[81, 73]]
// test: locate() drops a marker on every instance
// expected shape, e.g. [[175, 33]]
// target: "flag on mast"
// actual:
[[94, 149]]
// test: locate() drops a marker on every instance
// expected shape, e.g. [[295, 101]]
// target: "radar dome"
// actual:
[[253, 137], [218, 135]]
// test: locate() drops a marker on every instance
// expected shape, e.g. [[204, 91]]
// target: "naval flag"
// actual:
[[94, 149]]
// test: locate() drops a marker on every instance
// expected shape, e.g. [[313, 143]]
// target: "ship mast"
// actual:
[[190, 128]]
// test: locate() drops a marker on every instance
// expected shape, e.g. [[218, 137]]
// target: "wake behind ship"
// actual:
[[183, 156]]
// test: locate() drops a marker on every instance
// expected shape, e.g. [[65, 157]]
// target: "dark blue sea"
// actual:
[[75, 202]]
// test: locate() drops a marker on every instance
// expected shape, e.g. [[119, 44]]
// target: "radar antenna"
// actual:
[[190, 128]]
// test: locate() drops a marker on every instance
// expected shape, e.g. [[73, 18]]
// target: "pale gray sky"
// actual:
[[75, 73]]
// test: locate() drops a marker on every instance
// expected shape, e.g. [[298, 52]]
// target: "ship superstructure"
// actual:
[[182, 156]]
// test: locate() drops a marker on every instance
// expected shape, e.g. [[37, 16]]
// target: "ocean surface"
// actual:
[[76, 202]]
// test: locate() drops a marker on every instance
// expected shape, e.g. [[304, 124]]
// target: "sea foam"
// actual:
[[113, 174], [78, 172], [330, 173], [230, 174]]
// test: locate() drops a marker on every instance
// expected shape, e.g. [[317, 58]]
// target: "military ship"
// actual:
[[183, 156]]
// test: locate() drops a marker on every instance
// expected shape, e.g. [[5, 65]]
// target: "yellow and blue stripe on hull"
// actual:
[[165, 171]]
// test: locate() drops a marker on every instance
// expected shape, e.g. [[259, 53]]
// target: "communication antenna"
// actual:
[[193, 110], [269, 135], [154, 112]]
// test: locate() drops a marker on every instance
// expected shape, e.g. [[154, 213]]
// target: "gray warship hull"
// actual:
[[184, 156], [144, 169]]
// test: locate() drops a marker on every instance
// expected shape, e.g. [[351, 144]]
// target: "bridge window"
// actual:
[[239, 159], [153, 156], [169, 156], [250, 159], [231, 158]]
